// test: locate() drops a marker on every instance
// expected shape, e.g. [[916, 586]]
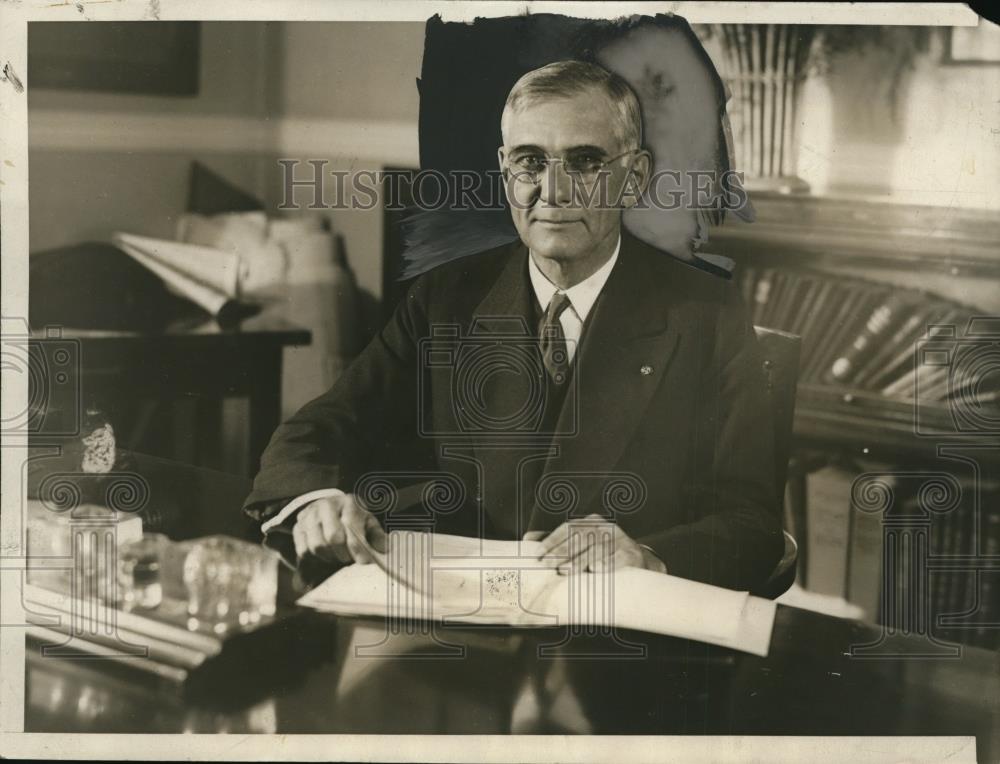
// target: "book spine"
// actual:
[[841, 310], [897, 352], [144, 647], [132, 622], [789, 301], [903, 361], [861, 300], [939, 578], [825, 322], [748, 283], [906, 331], [814, 303], [949, 586], [98, 650], [773, 305], [921, 380], [988, 633], [880, 320], [762, 294], [865, 562], [959, 589]]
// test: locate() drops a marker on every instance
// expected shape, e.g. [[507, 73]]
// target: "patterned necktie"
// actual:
[[551, 340]]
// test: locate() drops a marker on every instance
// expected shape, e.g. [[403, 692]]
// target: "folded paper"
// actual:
[[462, 580]]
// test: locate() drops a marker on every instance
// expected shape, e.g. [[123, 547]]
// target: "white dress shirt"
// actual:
[[581, 296]]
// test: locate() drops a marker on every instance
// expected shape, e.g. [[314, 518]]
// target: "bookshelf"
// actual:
[[861, 280]]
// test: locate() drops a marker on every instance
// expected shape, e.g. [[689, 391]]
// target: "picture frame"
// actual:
[[978, 45], [138, 57]]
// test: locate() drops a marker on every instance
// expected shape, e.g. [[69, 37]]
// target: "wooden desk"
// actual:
[[499, 683], [126, 374], [806, 686]]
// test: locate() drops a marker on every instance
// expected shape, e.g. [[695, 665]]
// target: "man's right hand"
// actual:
[[321, 530]]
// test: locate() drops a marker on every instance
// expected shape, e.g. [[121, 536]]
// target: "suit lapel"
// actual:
[[626, 348], [505, 320]]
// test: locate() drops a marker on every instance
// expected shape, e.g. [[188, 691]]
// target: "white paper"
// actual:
[[501, 582], [205, 297], [211, 267], [262, 261]]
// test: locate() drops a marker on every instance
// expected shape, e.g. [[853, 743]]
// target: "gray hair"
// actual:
[[567, 78]]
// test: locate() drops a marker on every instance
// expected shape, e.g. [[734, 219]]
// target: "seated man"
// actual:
[[575, 378]]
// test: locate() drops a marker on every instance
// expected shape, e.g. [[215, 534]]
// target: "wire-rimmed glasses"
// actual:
[[528, 167]]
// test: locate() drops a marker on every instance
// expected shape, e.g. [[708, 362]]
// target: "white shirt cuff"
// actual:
[[296, 504]]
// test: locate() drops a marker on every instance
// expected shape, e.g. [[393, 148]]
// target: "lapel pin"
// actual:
[[645, 370]]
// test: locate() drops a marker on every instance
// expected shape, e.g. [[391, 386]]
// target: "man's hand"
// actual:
[[593, 544], [321, 530]]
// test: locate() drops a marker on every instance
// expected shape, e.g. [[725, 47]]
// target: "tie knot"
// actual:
[[558, 304]]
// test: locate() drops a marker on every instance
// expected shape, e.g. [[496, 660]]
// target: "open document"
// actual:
[[455, 579]]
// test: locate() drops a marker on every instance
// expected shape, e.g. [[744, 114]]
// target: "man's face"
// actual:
[[553, 216]]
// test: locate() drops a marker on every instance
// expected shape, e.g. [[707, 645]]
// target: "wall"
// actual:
[[233, 64], [356, 70], [348, 96], [101, 162], [934, 143], [86, 196], [929, 136], [106, 162]]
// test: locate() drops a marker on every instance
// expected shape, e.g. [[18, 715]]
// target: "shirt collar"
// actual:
[[581, 296]]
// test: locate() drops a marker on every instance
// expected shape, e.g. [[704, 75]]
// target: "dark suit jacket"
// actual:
[[666, 423]]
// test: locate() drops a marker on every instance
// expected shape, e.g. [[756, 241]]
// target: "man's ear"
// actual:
[[501, 160], [643, 168], [637, 180]]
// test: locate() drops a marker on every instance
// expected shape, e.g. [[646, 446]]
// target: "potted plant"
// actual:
[[765, 67]]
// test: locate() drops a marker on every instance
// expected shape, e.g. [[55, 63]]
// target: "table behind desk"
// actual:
[[131, 376], [354, 675], [181, 500]]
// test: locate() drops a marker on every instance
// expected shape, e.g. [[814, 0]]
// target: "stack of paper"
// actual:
[[454, 579], [252, 236], [207, 277], [217, 280]]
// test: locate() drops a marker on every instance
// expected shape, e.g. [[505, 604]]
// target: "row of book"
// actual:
[[963, 575], [855, 333], [164, 645]]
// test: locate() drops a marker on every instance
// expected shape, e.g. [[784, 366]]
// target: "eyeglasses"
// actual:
[[585, 166]]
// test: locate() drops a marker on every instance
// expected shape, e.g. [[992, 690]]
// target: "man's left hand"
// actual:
[[592, 544]]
